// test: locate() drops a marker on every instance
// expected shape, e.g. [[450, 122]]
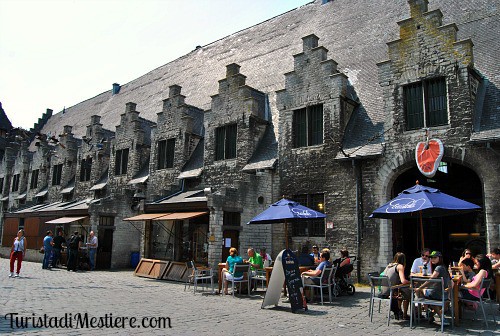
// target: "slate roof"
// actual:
[[5, 123], [354, 32]]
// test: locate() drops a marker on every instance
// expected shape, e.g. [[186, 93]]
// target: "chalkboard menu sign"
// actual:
[[293, 280]]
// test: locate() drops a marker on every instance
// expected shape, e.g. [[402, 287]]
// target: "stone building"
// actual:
[[324, 104]]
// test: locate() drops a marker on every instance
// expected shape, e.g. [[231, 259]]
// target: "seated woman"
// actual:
[[395, 271], [228, 272], [312, 277], [471, 290], [343, 263], [435, 292], [467, 254]]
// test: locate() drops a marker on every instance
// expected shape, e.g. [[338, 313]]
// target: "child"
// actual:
[[466, 270]]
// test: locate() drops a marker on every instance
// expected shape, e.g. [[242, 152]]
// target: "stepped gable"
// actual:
[[355, 32]]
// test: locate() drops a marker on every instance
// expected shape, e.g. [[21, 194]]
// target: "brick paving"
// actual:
[[56, 292]]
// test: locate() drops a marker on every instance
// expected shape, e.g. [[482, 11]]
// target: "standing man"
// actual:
[[59, 241], [48, 242], [92, 248], [424, 262], [73, 247]]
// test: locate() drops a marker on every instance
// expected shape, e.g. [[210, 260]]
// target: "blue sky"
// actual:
[[55, 54]]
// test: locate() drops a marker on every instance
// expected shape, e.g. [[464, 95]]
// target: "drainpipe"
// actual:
[[359, 214]]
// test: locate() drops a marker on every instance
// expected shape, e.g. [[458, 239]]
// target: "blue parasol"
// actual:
[[424, 202], [285, 211]]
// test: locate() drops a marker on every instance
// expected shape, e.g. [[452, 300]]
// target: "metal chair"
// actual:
[[324, 282], [368, 276], [260, 275], [333, 287], [199, 274], [376, 281], [243, 269], [446, 297], [485, 284]]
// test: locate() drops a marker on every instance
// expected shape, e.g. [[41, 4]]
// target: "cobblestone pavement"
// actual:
[[121, 294]]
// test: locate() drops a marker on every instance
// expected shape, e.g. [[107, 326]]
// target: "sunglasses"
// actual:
[[467, 253], [426, 255]]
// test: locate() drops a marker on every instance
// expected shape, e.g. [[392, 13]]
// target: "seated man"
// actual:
[[315, 253], [255, 260], [423, 262], [467, 270], [312, 277], [304, 258], [495, 258]]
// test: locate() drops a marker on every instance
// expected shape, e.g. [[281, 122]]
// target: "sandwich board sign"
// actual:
[[285, 270]]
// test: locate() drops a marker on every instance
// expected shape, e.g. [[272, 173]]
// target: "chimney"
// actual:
[[417, 7], [116, 88], [174, 90], [232, 69], [310, 42], [95, 119]]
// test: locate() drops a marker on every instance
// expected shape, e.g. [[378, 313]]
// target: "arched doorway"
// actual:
[[447, 234]]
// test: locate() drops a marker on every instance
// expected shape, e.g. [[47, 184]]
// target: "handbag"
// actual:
[[42, 250]]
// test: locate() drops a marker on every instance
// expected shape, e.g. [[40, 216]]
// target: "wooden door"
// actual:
[[233, 235], [105, 246]]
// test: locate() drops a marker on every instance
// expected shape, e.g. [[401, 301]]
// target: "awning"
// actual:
[[42, 193], [3, 199], [20, 197], [139, 180], [99, 186], [65, 220], [146, 216], [181, 215], [67, 190], [190, 173]]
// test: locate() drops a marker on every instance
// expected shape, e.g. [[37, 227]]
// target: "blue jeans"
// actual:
[[46, 258], [92, 252]]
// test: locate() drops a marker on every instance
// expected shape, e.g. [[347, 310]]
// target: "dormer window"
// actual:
[[166, 153], [56, 174], [308, 126], [34, 179], [85, 169], [225, 142], [121, 161], [425, 104], [15, 182]]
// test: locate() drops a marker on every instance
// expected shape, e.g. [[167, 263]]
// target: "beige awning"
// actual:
[[147, 216], [181, 215], [99, 186], [139, 180], [67, 190], [190, 173], [20, 197], [65, 220], [42, 193]]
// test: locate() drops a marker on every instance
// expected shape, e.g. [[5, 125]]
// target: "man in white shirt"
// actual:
[[92, 248], [423, 261]]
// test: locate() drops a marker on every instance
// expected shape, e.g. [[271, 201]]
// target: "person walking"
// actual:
[[17, 253], [92, 248], [48, 242]]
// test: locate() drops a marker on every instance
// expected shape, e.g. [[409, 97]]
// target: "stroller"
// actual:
[[344, 284]]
